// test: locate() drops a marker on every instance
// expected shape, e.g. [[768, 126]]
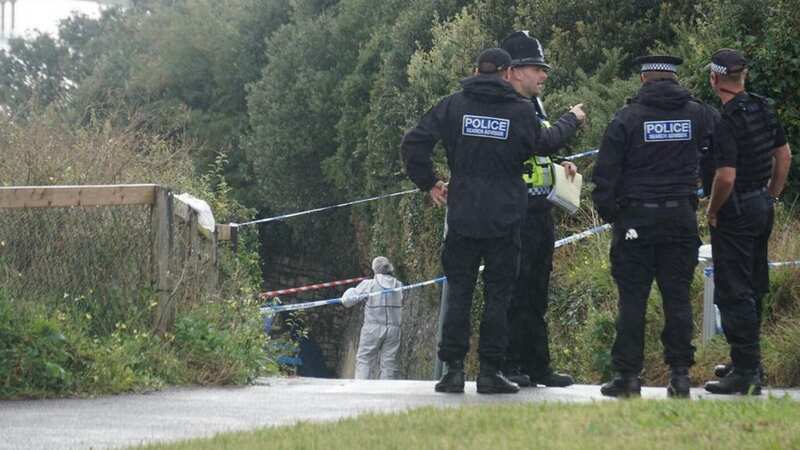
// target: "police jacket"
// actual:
[[746, 138], [384, 306], [488, 132], [650, 149]]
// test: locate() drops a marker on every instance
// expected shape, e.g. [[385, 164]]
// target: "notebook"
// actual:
[[566, 193]]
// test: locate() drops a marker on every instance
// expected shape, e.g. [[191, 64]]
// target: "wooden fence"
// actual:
[[179, 247]]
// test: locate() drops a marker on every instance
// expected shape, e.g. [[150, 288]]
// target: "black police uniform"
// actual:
[[746, 138], [486, 202], [528, 332], [645, 176], [529, 351]]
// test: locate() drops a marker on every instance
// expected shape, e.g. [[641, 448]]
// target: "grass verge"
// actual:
[[742, 424]]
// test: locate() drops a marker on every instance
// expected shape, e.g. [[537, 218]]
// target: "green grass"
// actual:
[[740, 424]]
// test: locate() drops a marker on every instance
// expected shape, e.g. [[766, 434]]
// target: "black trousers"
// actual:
[[648, 243], [528, 338], [741, 273], [461, 259]]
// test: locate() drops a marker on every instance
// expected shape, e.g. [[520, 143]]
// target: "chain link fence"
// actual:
[[54, 253], [110, 260]]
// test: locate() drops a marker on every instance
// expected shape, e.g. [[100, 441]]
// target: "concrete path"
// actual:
[[182, 413]]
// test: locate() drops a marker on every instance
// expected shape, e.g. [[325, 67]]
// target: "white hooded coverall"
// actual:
[[380, 333]]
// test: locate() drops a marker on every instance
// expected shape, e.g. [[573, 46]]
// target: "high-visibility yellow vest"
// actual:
[[538, 173]]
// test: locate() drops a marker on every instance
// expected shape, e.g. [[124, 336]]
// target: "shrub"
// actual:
[[35, 355], [76, 303], [222, 343]]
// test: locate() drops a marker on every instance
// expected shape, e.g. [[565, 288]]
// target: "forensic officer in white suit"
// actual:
[[380, 333]]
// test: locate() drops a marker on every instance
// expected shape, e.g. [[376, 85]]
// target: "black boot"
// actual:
[[553, 379], [452, 381], [623, 385], [739, 381], [722, 370], [516, 375], [679, 383], [492, 381]]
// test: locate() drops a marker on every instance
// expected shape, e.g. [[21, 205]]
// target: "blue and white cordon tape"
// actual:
[[591, 152], [708, 272], [338, 300], [370, 199], [325, 208], [582, 235]]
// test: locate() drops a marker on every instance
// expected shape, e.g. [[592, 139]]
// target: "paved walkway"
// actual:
[[182, 413]]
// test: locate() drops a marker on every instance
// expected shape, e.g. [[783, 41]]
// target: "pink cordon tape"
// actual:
[[310, 287]]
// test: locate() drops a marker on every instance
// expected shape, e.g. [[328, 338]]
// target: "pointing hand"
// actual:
[[578, 111]]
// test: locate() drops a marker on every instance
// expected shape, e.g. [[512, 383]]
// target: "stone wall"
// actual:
[[336, 329]]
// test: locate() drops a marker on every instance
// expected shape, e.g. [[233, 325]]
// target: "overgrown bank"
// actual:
[[76, 304], [583, 311]]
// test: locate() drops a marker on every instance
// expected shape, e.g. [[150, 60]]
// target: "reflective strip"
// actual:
[[544, 190], [539, 172], [659, 67], [722, 70]]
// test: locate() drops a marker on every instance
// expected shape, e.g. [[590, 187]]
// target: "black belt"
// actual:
[[657, 203], [750, 194]]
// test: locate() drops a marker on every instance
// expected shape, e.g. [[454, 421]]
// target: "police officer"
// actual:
[[751, 160], [528, 357], [645, 177], [488, 131]]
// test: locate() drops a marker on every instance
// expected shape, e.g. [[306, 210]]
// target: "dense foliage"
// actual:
[[308, 99], [76, 302]]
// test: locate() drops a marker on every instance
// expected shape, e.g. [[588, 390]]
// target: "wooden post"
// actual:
[[162, 228], [235, 239], [212, 246]]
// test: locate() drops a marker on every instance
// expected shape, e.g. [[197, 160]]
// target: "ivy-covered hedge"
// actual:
[[308, 100]]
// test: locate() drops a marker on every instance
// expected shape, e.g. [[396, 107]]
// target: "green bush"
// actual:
[[76, 303], [583, 310], [221, 344], [779, 346], [35, 355], [46, 354]]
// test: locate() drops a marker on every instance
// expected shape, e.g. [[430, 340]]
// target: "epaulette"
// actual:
[[743, 105], [692, 98], [768, 105], [763, 99]]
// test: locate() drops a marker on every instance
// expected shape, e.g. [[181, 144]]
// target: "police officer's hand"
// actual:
[[712, 219], [439, 193], [570, 169], [578, 111]]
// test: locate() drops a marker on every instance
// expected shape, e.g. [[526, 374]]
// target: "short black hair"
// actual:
[[493, 60]]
